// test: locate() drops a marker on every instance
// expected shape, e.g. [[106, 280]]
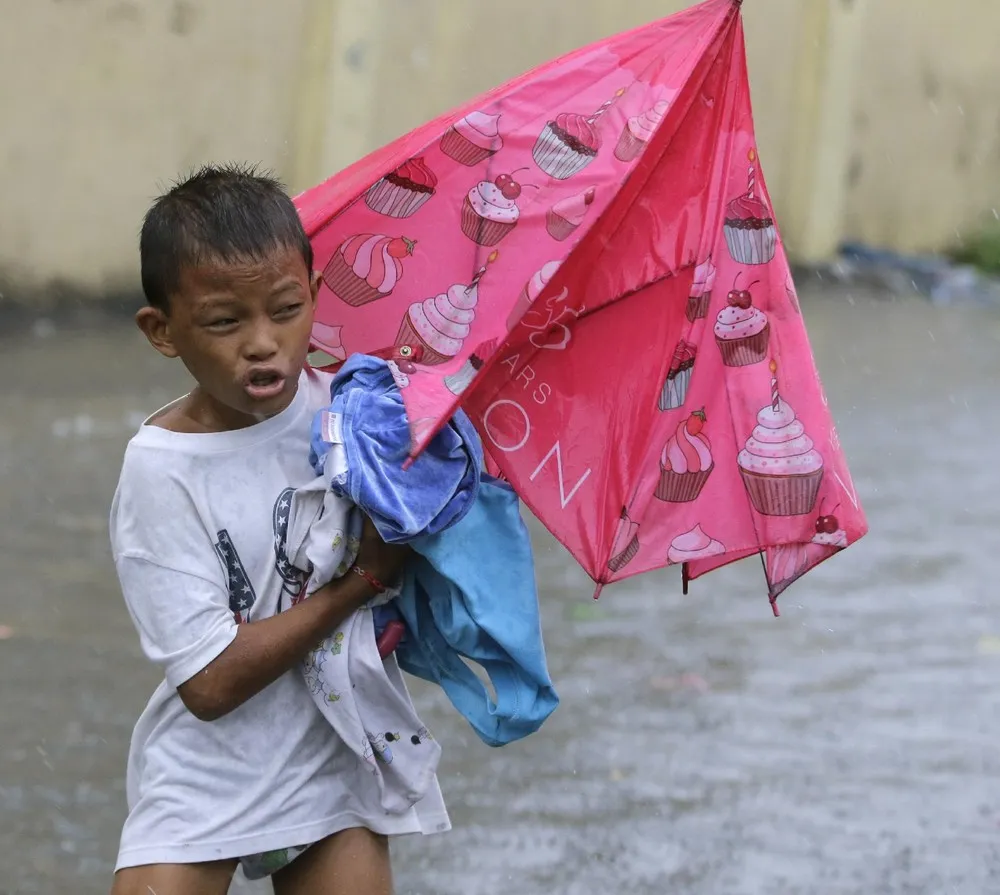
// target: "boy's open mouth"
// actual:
[[262, 384]]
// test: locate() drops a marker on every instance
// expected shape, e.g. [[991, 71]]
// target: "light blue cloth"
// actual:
[[470, 591]]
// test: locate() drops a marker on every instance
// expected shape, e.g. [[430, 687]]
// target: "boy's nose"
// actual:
[[262, 344]]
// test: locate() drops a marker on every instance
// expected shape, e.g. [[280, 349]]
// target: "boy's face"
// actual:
[[242, 330]]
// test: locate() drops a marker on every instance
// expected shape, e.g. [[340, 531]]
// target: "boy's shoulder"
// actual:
[[155, 455], [153, 488], [162, 470]]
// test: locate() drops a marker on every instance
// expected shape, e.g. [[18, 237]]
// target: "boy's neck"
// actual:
[[199, 414]]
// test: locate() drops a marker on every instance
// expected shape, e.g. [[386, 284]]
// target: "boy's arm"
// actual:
[[264, 650]]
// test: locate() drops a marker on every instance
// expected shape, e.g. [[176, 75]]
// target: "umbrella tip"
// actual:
[[598, 589]]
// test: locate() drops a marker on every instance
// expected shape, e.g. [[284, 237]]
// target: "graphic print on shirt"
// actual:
[[312, 670], [380, 745], [241, 592], [293, 579]]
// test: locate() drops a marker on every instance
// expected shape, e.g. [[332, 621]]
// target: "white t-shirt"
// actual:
[[197, 531]]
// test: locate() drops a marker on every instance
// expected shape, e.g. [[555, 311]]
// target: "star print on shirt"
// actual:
[[241, 592], [293, 579]]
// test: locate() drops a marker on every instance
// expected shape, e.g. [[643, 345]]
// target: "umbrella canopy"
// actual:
[[586, 260]]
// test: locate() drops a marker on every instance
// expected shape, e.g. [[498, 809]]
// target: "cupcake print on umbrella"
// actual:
[[675, 386], [742, 331], [626, 544], [783, 564], [787, 562], [490, 210], [570, 142], [701, 290], [566, 215], [532, 289], [441, 324], [692, 545], [473, 139], [404, 191], [639, 131], [327, 347], [686, 462], [828, 531], [749, 225], [461, 379], [367, 267], [781, 470]]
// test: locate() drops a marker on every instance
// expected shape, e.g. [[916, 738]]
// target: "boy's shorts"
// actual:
[[265, 863]]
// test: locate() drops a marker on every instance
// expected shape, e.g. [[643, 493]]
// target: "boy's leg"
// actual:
[[352, 862], [175, 879]]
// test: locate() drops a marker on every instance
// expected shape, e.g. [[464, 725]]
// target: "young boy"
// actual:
[[231, 762]]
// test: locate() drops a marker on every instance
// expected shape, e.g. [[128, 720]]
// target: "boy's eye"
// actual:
[[289, 310], [222, 323]]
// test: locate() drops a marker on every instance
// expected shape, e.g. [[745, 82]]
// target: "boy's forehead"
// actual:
[[214, 274]]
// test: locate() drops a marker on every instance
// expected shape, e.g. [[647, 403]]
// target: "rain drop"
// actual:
[[419, 57], [43, 328]]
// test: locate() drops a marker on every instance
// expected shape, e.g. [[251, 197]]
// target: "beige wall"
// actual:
[[103, 101], [434, 54], [926, 160]]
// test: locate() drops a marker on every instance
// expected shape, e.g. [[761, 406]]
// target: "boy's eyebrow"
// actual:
[[207, 302], [287, 285], [227, 299]]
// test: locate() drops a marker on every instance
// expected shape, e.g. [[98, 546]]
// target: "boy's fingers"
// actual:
[[368, 530]]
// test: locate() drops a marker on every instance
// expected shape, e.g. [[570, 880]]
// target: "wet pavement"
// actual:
[[702, 746]]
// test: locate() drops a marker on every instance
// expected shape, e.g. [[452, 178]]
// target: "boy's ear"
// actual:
[[155, 326], [314, 283]]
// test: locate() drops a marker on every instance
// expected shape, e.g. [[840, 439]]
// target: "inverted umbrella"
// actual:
[[586, 260]]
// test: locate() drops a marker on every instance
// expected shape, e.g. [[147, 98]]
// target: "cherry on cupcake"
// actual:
[[508, 186], [741, 298], [696, 422], [827, 524], [400, 247]]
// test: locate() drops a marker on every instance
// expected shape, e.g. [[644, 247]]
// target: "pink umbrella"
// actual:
[[586, 260]]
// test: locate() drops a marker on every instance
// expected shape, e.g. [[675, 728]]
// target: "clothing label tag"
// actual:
[[330, 427]]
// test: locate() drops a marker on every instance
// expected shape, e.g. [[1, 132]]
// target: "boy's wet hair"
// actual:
[[227, 213]]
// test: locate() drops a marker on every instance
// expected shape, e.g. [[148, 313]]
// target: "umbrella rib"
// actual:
[[646, 453]]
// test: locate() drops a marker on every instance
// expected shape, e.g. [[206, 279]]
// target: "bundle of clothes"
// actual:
[[467, 594]]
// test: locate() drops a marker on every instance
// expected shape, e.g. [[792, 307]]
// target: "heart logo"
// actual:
[[556, 338], [550, 333]]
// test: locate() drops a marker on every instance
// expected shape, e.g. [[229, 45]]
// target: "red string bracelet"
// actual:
[[377, 585]]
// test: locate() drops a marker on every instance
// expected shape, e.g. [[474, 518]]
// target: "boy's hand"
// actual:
[[379, 559], [265, 649]]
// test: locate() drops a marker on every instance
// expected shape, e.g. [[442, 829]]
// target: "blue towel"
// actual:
[[433, 493], [470, 591]]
